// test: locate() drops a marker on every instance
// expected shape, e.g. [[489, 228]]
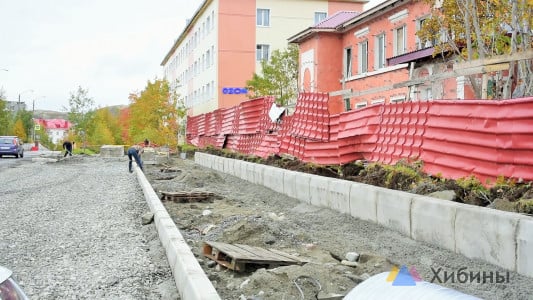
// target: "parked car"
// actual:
[[9, 288], [11, 145]]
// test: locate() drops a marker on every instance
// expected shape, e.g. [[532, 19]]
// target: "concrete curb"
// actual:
[[501, 238], [190, 278]]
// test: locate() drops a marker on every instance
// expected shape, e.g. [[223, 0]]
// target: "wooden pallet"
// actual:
[[237, 256], [187, 197]]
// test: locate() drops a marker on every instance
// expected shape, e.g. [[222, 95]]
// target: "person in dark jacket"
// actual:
[[134, 152], [67, 145]]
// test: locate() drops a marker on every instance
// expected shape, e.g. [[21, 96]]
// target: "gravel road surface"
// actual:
[[72, 230]]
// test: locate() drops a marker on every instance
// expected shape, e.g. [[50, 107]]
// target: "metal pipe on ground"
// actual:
[[378, 287]]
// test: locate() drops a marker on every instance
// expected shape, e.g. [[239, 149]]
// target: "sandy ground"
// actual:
[[244, 213]]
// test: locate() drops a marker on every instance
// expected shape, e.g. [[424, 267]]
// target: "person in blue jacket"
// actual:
[[134, 152]]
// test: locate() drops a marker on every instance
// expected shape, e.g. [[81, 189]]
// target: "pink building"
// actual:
[[363, 56], [57, 129], [225, 41]]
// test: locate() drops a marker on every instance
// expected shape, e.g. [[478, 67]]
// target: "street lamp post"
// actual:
[[30, 90]]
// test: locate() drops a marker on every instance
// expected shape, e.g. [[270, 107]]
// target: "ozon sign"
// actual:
[[235, 91]]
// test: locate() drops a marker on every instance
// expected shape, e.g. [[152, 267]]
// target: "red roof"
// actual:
[[337, 19], [54, 123]]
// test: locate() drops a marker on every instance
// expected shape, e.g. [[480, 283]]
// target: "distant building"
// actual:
[[57, 129], [15, 106], [224, 42]]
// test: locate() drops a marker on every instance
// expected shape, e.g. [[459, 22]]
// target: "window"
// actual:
[[208, 25], [212, 20], [396, 99], [380, 52], [263, 17], [360, 104], [428, 43], [399, 43], [208, 59], [363, 57], [347, 62], [262, 52], [429, 93], [320, 16], [212, 88], [347, 106], [212, 55]]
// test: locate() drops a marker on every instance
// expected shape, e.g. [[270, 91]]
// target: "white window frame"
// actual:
[[347, 62], [400, 43], [320, 16], [262, 52], [396, 99], [362, 57], [377, 101], [380, 60], [361, 104], [263, 17]]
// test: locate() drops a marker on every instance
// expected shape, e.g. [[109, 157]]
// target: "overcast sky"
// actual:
[[110, 47]]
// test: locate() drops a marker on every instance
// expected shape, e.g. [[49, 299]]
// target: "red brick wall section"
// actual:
[[453, 138]]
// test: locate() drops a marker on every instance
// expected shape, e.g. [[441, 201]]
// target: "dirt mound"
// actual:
[[408, 176]]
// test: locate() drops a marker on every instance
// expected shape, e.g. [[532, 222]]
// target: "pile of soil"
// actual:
[[249, 214], [512, 195]]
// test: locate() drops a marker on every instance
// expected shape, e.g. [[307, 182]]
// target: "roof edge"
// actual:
[[188, 27]]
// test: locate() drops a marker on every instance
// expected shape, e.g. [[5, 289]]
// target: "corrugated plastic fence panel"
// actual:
[[227, 116], [453, 138], [210, 124], [250, 116], [311, 117], [484, 138]]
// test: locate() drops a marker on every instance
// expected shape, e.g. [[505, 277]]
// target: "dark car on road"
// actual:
[[11, 145]]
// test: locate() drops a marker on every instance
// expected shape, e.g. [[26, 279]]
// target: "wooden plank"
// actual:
[[506, 58], [233, 251], [268, 254], [251, 253]]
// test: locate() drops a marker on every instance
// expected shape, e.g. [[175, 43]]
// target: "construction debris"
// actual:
[[236, 256], [187, 197]]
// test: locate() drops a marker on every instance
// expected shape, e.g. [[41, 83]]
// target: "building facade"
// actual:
[[225, 40], [375, 57], [56, 129]]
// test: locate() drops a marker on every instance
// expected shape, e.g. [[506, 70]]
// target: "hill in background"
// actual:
[[51, 114]]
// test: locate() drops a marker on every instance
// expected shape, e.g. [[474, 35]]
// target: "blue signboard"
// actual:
[[234, 91]]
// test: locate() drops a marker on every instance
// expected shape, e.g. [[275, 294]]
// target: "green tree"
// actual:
[[105, 128], [279, 77], [478, 29], [5, 118], [27, 122], [19, 130], [154, 113], [81, 113]]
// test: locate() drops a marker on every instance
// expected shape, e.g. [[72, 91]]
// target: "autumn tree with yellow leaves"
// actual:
[[481, 29], [154, 113]]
